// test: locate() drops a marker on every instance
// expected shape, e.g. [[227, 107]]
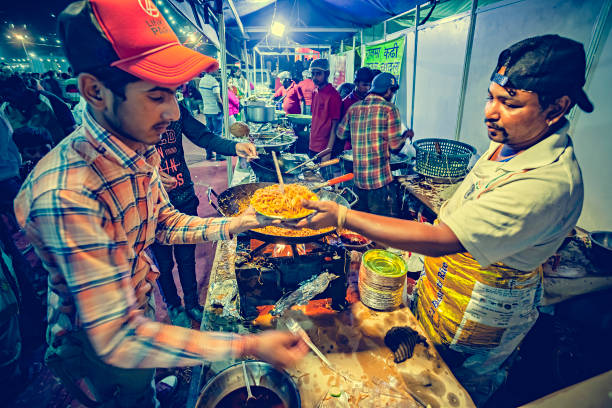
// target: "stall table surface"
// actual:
[[352, 340]]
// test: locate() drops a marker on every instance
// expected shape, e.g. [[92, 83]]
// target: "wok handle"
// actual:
[[333, 181], [352, 193], [210, 193], [328, 163], [323, 152], [341, 179]]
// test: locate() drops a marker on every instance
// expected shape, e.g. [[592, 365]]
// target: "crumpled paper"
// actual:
[[223, 295]]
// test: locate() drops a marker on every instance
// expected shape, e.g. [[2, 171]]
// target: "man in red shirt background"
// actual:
[[293, 96], [326, 109], [281, 91], [307, 87]]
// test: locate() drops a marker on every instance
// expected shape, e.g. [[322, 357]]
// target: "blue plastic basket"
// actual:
[[451, 161]]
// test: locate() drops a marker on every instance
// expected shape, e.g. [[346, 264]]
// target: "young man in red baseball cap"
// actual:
[[95, 203]]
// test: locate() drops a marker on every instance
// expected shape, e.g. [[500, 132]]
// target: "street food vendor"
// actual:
[[284, 77], [307, 87], [290, 93], [95, 203], [326, 107], [374, 128], [478, 296]]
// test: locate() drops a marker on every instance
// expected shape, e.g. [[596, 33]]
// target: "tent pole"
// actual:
[[417, 17], [224, 99], [254, 70], [262, 64], [248, 70], [466, 68], [361, 46]]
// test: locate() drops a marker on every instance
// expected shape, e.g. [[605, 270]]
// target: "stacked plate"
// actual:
[[382, 276]]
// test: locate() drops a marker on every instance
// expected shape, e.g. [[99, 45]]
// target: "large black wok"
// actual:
[[265, 171], [229, 204]]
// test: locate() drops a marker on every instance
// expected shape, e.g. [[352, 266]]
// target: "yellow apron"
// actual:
[[477, 310]]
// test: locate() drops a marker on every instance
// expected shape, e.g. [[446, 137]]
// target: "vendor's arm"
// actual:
[[280, 92], [396, 137], [91, 268], [335, 109], [343, 130], [332, 139], [431, 240], [199, 134], [174, 227], [499, 224]]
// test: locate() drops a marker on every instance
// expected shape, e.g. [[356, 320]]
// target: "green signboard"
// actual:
[[386, 56]]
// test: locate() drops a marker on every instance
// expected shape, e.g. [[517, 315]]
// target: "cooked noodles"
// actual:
[[272, 202], [282, 232]]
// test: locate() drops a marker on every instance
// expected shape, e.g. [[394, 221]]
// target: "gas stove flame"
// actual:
[[281, 250]]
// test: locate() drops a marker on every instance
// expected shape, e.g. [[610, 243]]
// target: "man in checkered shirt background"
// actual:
[[375, 130]]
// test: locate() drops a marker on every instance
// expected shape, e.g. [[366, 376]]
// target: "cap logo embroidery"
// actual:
[[499, 79], [148, 7]]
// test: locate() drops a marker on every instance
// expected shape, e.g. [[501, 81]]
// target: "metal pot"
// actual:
[[260, 113], [260, 374], [601, 249]]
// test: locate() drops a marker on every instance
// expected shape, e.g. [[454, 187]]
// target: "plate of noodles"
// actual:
[[270, 202]]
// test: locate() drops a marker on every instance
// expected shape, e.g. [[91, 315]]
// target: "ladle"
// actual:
[[250, 396]]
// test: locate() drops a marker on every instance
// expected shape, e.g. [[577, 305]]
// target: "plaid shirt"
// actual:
[[373, 126], [90, 208]]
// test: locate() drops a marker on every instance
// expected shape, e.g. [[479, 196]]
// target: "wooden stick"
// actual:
[[278, 172]]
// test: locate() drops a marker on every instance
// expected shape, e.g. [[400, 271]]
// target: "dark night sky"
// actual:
[[37, 15], [41, 21]]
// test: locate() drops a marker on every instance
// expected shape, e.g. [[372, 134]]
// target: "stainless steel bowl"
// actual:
[[601, 249], [260, 374]]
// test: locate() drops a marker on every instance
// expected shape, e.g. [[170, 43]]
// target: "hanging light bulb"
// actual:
[[277, 29]]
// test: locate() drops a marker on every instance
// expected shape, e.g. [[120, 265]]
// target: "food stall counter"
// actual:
[[363, 368]]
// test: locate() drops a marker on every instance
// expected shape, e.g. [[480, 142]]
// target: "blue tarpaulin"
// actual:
[[314, 13]]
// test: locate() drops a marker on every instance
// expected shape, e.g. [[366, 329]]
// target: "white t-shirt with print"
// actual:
[[518, 212], [209, 88]]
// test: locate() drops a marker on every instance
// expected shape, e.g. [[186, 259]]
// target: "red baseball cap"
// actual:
[[131, 35]]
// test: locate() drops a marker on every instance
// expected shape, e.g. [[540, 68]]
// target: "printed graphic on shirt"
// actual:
[[169, 151]]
